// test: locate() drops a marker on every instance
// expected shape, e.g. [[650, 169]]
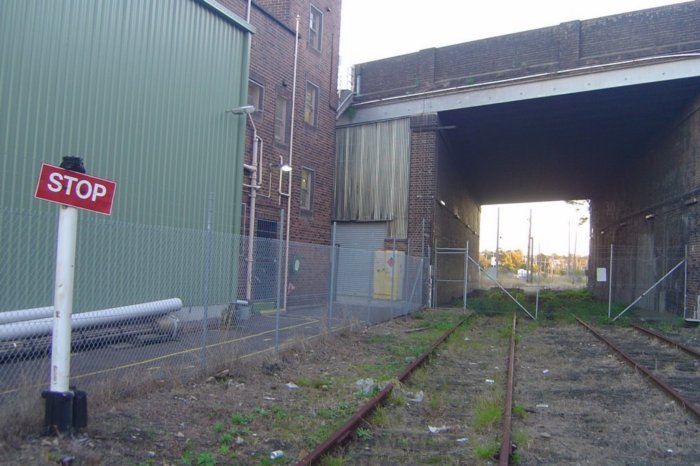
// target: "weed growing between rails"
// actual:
[[448, 411], [250, 407]]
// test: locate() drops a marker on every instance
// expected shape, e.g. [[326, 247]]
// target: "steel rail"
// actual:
[[687, 404], [506, 445], [344, 431], [676, 344]]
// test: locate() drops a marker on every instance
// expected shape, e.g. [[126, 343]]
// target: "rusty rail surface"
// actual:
[[344, 431], [506, 445], [691, 351], [687, 404]]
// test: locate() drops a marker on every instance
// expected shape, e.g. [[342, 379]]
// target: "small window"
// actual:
[[307, 180], [315, 28], [311, 104], [281, 117], [256, 93]]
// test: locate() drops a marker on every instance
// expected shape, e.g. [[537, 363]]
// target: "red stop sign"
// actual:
[[75, 189]]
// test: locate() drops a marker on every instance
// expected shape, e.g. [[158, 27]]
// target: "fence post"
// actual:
[[406, 279], [685, 284], [466, 276], [434, 276], [610, 278], [279, 281], [331, 298], [370, 286], [207, 268], [393, 272]]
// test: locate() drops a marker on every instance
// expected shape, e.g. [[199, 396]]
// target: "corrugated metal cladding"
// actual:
[[372, 166], [358, 241], [139, 90]]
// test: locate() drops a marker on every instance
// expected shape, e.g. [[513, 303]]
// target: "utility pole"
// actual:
[[529, 250], [498, 236]]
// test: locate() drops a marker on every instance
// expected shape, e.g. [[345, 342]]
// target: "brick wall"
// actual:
[[656, 31], [272, 66], [422, 189], [433, 178], [663, 183]]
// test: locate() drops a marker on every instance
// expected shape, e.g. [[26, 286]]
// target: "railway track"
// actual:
[[449, 411], [671, 365]]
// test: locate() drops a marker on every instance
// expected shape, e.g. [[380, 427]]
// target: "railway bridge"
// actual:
[[606, 109]]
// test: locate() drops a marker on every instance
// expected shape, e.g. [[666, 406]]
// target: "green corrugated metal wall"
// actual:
[[138, 89]]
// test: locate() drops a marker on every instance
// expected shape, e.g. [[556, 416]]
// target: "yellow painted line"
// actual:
[[166, 356], [304, 318]]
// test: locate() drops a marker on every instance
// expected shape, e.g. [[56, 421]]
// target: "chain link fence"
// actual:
[[157, 305], [645, 277]]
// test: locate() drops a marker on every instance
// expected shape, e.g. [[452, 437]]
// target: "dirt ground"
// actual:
[[585, 406], [577, 404]]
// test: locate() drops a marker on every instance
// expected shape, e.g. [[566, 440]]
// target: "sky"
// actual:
[[556, 228], [375, 29]]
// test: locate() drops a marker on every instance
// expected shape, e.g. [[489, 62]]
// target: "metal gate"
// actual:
[[451, 274]]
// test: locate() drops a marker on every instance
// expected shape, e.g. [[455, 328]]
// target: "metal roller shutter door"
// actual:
[[357, 241]]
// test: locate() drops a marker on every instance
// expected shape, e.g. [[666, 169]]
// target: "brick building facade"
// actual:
[[306, 143], [270, 91]]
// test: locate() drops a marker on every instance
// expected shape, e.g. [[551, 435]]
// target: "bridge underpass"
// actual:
[[577, 146], [626, 137]]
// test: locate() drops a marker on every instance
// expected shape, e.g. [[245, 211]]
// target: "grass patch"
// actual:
[[333, 461], [363, 434], [520, 438], [379, 416], [519, 411], [487, 451], [488, 411], [238, 419], [317, 383], [554, 305]]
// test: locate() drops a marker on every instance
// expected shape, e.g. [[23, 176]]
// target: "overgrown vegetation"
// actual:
[[551, 305]]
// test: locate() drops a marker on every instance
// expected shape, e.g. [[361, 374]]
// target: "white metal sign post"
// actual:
[[66, 408]]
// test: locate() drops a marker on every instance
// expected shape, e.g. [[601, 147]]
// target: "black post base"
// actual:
[[58, 417], [65, 413]]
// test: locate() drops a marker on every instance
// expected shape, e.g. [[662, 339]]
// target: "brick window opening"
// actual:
[[315, 28], [307, 179], [311, 104], [281, 117], [256, 93]]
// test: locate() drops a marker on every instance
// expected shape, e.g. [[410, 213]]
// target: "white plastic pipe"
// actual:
[[38, 327], [63, 299], [22, 315]]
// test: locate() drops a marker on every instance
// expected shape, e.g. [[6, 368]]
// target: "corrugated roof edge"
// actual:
[[221, 10]]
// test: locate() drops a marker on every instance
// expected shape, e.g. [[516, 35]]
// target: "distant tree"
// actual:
[[485, 259], [513, 260]]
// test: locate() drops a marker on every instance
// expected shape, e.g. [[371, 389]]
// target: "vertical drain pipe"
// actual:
[[291, 153]]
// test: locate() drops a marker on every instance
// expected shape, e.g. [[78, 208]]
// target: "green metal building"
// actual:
[[139, 89]]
